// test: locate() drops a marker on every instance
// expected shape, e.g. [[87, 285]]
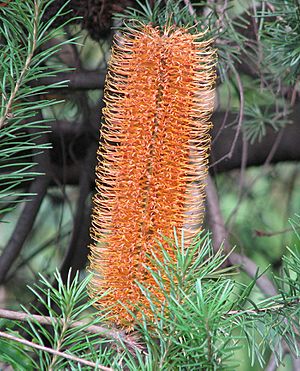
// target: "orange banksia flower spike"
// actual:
[[152, 158]]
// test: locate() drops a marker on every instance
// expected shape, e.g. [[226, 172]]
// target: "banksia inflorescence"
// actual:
[[152, 158]]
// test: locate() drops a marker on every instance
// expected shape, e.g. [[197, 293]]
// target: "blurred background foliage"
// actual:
[[259, 49]]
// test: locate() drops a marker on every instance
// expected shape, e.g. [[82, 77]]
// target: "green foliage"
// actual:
[[190, 331], [25, 58], [281, 38], [259, 118], [14, 355], [65, 305], [210, 312], [206, 316], [276, 320]]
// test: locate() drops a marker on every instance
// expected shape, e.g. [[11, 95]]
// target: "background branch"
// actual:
[[71, 134], [77, 80]]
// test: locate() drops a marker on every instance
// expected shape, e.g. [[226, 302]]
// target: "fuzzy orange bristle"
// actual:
[[153, 157]]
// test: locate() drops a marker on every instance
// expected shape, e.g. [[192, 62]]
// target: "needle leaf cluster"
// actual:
[[281, 38], [208, 314], [25, 58]]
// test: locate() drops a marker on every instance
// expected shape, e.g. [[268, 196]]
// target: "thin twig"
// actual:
[[52, 351], [94, 329], [260, 233], [272, 364], [59, 343]]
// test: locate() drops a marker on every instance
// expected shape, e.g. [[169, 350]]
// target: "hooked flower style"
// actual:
[[152, 158]]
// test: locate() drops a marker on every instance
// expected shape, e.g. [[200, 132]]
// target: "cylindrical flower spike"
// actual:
[[152, 157]]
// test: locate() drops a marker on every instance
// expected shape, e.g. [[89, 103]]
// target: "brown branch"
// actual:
[[283, 146], [76, 80], [287, 149], [52, 351], [79, 79], [116, 335], [274, 146]]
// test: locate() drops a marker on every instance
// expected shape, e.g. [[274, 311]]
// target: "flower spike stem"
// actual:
[[153, 158]]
